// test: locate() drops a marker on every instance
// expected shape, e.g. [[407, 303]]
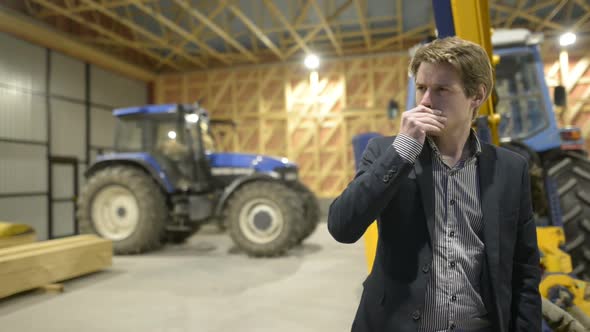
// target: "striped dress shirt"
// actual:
[[453, 292]]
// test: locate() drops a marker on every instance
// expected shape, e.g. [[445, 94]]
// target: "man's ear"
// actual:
[[479, 97]]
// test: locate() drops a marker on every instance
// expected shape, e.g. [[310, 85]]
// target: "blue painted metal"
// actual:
[[546, 138], [146, 109], [443, 18], [359, 143], [260, 163], [554, 202], [144, 158]]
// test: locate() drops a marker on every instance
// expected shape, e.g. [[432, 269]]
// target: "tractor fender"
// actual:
[[148, 166], [235, 185]]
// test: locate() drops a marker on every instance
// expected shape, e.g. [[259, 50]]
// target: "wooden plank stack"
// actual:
[[29, 266]]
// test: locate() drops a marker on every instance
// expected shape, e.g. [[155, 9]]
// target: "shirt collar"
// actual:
[[472, 140]]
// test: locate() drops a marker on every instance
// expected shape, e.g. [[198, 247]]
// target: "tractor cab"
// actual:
[[177, 137]]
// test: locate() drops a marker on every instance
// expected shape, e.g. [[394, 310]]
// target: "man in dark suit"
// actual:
[[457, 248]]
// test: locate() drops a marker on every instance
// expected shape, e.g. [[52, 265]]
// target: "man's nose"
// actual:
[[425, 100]]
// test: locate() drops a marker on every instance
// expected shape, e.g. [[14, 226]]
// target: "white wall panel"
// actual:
[[23, 168], [63, 219], [26, 210], [68, 135], [22, 64], [108, 88], [22, 115], [67, 77], [102, 124], [63, 180]]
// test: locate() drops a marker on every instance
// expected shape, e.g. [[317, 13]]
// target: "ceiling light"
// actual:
[[312, 62], [567, 39]]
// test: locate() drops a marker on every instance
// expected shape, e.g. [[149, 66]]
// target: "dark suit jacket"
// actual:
[[401, 197]]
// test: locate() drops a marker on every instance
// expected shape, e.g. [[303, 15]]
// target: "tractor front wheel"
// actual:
[[125, 205], [262, 218]]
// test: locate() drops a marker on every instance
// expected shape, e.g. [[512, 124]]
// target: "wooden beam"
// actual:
[[219, 31], [581, 21], [410, 33], [81, 8], [525, 15], [327, 28], [551, 15], [180, 31], [100, 29], [24, 27], [315, 31], [578, 72], [250, 25], [277, 13], [136, 28], [514, 15], [196, 33], [363, 23], [34, 265]]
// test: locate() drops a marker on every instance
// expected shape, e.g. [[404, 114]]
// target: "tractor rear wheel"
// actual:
[[572, 176], [262, 218], [312, 211], [125, 205]]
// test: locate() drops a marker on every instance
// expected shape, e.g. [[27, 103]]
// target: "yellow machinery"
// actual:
[[471, 22]]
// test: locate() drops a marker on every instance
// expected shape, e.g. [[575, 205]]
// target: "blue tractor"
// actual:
[[165, 179], [558, 164]]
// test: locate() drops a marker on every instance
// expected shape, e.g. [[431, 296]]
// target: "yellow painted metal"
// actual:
[[553, 259], [371, 238], [580, 290], [472, 22]]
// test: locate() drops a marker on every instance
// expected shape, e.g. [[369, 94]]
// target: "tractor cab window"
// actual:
[[520, 100], [170, 138], [206, 135], [128, 136]]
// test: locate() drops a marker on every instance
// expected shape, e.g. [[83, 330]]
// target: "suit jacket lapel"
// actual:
[[423, 169], [489, 196]]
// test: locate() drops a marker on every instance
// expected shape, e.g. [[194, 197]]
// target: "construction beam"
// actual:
[[551, 15], [363, 22], [196, 32], [180, 31], [327, 28], [256, 30], [136, 28], [315, 31], [417, 31], [277, 13], [525, 15], [84, 8], [215, 28], [100, 29], [35, 32]]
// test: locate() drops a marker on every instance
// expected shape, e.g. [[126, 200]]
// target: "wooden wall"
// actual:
[[278, 112]]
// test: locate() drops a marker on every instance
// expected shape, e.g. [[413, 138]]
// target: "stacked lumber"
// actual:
[[29, 266]]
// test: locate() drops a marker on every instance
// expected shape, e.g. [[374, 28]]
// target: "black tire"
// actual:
[[572, 176], [252, 206], [311, 207], [133, 192]]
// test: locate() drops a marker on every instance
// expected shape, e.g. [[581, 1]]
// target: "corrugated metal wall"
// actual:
[[55, 113]]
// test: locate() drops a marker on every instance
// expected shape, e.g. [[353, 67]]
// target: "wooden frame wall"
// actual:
[[279, 112]]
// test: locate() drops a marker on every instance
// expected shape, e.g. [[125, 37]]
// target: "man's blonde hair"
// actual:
[[469, 59]]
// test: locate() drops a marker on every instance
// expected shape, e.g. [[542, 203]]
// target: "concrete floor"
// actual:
[[204, 285]]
